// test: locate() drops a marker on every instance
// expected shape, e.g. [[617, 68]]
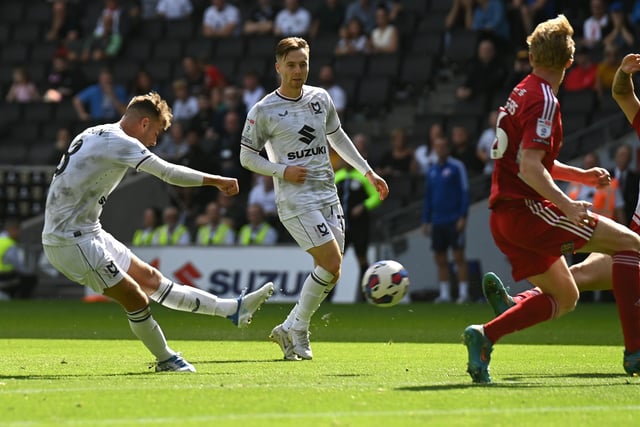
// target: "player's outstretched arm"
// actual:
[[229, 186], [622, 88]]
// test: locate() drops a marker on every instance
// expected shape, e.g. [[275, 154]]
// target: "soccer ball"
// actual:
[[385, 283]]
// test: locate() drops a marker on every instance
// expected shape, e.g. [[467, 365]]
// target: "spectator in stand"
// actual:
[[384, 36], [365, 12], [399, 159], [65, 21], [358, 197], [606, 70], [227, 149], [174, 9], [424, 154], [142, 83], [17, 279], [460, 15], [104, 100], [257, 231], [532, 12], [252, 90], [352, 40], [593, 27], [221, 19], [172, 231], [22, 89], [326, 79], [203, 122], [201, 77], [582, 74], [521, 69], [105, 41], [263, 193], [327, 18], [486, 141], [63, 80], [60, 145], [293, 20], [619, 32], [233, 209], [444, 219], [215, 229], [194, 199], [485, 74], [147, 9], [173, 144], [490, 19], [628, 179], [463, 150], [261, 18], [231, 100], [185, 105], [151, 219]]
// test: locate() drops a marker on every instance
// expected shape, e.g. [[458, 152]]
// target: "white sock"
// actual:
[[148, 331], [187, 298], [315, 289], [444, 290], [288, 322], [463, 290]]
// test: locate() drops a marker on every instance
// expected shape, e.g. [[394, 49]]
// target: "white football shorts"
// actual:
[[315, 228], [98, 263]]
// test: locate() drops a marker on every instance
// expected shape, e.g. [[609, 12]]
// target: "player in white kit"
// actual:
[[294, 124], [76, 245]]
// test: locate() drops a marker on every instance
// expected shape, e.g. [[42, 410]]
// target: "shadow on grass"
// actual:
[[524, 382]]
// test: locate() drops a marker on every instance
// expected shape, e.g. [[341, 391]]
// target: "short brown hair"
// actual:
[[152, 105], [551, 43], [289, 44]]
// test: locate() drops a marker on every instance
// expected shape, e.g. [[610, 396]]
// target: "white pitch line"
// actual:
[[340, 414]]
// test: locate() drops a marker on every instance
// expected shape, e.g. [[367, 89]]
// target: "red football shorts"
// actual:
[[533, 235]]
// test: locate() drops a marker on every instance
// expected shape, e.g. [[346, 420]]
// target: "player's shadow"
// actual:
[[524, 382], [50, 377], [218, 362]]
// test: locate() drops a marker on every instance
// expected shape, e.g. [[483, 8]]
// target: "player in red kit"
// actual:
[[533, 222]]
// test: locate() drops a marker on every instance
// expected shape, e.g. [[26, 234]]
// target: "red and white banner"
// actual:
[[226, 271]]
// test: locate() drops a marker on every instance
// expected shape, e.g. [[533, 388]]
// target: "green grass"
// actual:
[[68, 363]]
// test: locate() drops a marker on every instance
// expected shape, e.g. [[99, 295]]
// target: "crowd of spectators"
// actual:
[[210, 104]]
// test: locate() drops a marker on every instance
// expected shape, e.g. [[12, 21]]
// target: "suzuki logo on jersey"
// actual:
[[315, 107], [306, 152], [307, 134]]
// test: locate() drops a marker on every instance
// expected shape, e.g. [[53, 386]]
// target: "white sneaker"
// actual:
[[175, 364], [281, 337], [301, 344], [249, 304]]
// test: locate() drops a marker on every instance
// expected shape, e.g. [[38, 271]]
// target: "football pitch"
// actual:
[[65, 363]]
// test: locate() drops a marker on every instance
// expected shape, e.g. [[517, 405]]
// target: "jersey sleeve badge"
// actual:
[[543, 128]]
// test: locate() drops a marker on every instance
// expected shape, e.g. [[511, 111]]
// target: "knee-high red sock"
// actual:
[[526, 294], [528, 312], [626, 288]]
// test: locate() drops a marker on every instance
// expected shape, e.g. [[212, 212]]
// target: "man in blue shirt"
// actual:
[[444, 218], [104, 100]]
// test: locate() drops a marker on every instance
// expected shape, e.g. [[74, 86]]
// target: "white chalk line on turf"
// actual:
[[339, 414]]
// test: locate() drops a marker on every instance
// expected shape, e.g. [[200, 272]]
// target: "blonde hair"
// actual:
[[151, 105], [551, 44], [289, 44]]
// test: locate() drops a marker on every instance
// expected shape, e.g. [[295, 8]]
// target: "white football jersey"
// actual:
[[294, 132], [95, 163]]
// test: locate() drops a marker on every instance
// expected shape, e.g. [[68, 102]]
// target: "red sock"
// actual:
[[626, 288], [528, 312], [526, 294]]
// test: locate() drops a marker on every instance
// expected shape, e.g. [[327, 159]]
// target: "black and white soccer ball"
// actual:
[[385, 283]]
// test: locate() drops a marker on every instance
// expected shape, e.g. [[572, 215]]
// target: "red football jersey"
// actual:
[[529, 119]]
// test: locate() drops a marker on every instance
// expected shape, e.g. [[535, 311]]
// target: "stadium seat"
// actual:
[[37, 112], [373, 94], [415, 7], [5, 33], [64, 113], [15, 54], [12, 11], [261, 46], [426, 44], [40, 153], [167, 49], [26, 33], [125, 71], [324, 46], [574, 122], [231, 48], [462, 47], [162, 70], [583, 101], [350, 65], [43, 52], [13, 154], [153, 29], [244, 65], [439, 6], [201, 48], [416, 71], [432, 23], [38, 13], [136, 50], [182, 30], [384, 65]]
